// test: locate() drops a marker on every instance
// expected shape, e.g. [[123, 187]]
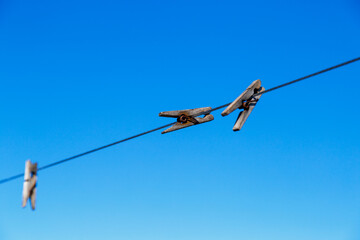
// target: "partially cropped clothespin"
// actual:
[[29, 187], [188, 117], [245, 101]]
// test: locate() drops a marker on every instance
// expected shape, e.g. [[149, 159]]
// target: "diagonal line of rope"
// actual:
[[86, 153], [167, 125]]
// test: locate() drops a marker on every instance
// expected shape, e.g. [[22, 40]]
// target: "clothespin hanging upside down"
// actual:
[[188, 117], [246, 101], [29, 187]]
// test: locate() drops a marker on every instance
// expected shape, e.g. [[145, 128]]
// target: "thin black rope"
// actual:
[[86, 153], [291, 82], [167, 125], [11, 178], [308, 76]]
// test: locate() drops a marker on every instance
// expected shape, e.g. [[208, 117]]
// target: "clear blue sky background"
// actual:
[[80, 74]]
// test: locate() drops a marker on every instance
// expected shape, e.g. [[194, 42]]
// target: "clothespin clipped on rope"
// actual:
[[246, 101], [188, 117], [29, 187]]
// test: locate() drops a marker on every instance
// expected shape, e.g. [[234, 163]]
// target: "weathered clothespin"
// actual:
[[246, 101], [29, 187], [188, 117]]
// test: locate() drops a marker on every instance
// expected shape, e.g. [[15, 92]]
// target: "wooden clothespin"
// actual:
[[188, 117], [246, 101], [29, 187]]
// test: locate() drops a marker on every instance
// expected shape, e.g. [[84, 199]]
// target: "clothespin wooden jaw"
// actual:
[[29, 186], [187, 118], [245, 101]]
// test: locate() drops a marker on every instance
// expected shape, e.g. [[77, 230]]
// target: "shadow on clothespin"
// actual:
[[245, 101], [188, 117], [29, 187]]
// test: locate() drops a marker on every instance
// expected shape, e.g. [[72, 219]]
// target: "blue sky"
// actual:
[[80, 74]]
